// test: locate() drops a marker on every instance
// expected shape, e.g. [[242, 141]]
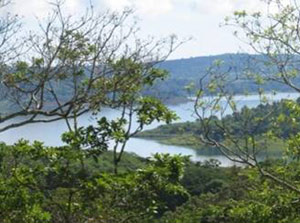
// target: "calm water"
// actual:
[[50, 132]]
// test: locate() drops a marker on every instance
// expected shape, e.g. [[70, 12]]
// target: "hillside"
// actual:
[[184, 71]]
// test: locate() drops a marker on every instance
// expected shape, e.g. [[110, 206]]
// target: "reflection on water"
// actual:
[[137, 146], [50, 132]]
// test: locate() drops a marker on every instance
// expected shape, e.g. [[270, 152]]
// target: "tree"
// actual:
[[62, 184], [74, 65], [71, 66], [9, 27], [274, 35]]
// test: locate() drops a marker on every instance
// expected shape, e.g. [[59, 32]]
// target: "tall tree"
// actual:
[[73, 65], [273, 34]]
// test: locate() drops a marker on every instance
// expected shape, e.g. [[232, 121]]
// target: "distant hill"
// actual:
[[184, 71], [194, 67]]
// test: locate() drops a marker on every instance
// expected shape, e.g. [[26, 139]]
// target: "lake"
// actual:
[[50, 132]]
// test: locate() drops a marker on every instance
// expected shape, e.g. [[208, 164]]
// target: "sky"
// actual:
[[198, 19]]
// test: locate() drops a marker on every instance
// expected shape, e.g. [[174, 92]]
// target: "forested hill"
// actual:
[[194, 67], [184, 71]]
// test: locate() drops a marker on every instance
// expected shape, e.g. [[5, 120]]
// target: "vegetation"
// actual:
[[263, 191], [83, 181], [184, 72], [72, 65], [76, 66], [41, 184], [244, 198], [237, 124], [271, 189]]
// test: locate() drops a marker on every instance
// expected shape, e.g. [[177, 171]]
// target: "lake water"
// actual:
[[50, 132]]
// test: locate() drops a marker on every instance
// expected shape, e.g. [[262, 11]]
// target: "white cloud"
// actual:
[[224, 7], [154, 7], [197, 18], [29, 8], [41, 8], [143, 7], [117, 5]]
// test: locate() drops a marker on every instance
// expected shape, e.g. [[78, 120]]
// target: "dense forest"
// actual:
[[40, 184]]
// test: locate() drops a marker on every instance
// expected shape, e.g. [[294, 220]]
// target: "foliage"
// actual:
[[71, 65], [269, 189], [74, 70], [60, 184], [271, 123], [246, 198]]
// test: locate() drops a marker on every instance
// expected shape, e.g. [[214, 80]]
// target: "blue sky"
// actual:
[[199, 19]]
